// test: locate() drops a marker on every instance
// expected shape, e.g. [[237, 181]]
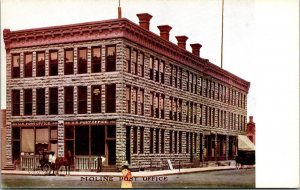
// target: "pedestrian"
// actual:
[[52, 160], [100, 162], [126, 176]]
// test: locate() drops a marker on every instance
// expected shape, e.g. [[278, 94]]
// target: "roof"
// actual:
[[118, 28]]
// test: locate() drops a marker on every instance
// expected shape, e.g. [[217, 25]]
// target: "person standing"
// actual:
[[100, 163]]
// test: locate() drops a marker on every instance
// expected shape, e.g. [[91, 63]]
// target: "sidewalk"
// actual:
[[137, 174]]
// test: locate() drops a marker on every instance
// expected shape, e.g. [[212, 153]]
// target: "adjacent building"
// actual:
[[251, 130], [115, 88]]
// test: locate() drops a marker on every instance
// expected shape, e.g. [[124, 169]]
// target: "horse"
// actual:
[[66, 161]]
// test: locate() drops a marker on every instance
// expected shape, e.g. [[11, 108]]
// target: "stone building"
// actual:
[[117, 89]]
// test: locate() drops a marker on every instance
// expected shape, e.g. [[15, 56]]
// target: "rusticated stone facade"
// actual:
[[210, 119]]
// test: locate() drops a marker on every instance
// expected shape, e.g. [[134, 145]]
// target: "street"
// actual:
[[243, 178]]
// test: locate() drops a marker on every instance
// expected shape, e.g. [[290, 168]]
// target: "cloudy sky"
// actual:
[[261, 45]]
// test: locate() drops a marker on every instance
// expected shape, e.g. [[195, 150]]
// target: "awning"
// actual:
[[244, 143]]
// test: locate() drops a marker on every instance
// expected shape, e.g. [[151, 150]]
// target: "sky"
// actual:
[[261, 45]]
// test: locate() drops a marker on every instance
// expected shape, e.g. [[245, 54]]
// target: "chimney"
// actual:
[[196, 49], [144, 20], [251, 119], [164, 31], [181, 41]]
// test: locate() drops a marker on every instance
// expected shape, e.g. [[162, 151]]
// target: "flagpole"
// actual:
[[222, 34], [119, 10]]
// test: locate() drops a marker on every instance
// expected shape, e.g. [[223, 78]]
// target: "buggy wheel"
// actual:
[[62, 170], [46, 169]]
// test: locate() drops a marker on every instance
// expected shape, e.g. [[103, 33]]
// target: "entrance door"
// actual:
[[97, 140], [128, 144], [111, 144]]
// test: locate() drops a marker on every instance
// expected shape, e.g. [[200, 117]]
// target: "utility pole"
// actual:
[[222, 34]]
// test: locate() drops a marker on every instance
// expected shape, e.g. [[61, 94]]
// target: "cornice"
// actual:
[[113, 29]]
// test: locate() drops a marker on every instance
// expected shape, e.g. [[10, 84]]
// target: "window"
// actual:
[[157, 105], [180, 141], [175, 76], [110, 98], [40, 69], [221, 93], [128, 99], [53, 63], [134, 62], [213, 117], [68, 94], [82, 99], [15, 102], [195, 142], [156, 68], [213, 89], [16, 148], [195, 113], [200, 114], [200, 86], [127, 59], [195, 84], [96, 59], [96, 99], [191, 82], [162, 137], [151, 140], [141, 140], [224, 94], [110, 58], [171, 142], [171, 76], [188, 81], [192, 111], [15, 66], [171, 108], [134, 100], [187, 142], [162, 106], [141, 102], [175, 140], [69, 62], [53, 101], [206, 115], [187, 111], [157, 141], [209, 88], [162, 72], [82, 61], [141, 64], [135, 140], [180, 110], [28, 102], [40, 101], [180, 78], [28, 65], [151, 68], [205, 87], [151, 104]]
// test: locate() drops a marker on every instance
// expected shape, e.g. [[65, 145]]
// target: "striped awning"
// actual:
[[244, 143]]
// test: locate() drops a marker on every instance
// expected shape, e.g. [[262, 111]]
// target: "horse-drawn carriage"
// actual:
[[246, 152], [60, 165]]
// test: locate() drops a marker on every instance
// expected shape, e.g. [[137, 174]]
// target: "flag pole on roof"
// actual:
[[119, 10], [222, 34]]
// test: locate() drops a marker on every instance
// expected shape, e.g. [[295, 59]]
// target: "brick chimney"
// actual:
[[181, 41], [164, 31], [144, 20], [251, 119], [196, 49]]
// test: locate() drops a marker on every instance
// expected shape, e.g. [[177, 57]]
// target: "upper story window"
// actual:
[[40, 101], [180, 78], [128, 59], [69, 62], [28, 102], [141, 102], [141, 64], [110, 58], [69, 99], [128, 99], [162, 106], [162, 71], [141, 140], [191, 80], [156, 68], [53, 101], [96, 99], [151, 68], [15, 71], [15, 102], [40, 70], [96, 59], [175, 76], [53, 63], [151, 104], [82, 99], [157, 105], [134, 100], [110, 98], [188, 81], [200, 86], [82, 61], [171, 76], [171, 108], [195, 84], [28, 65], [134, 61], [180, 110]]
